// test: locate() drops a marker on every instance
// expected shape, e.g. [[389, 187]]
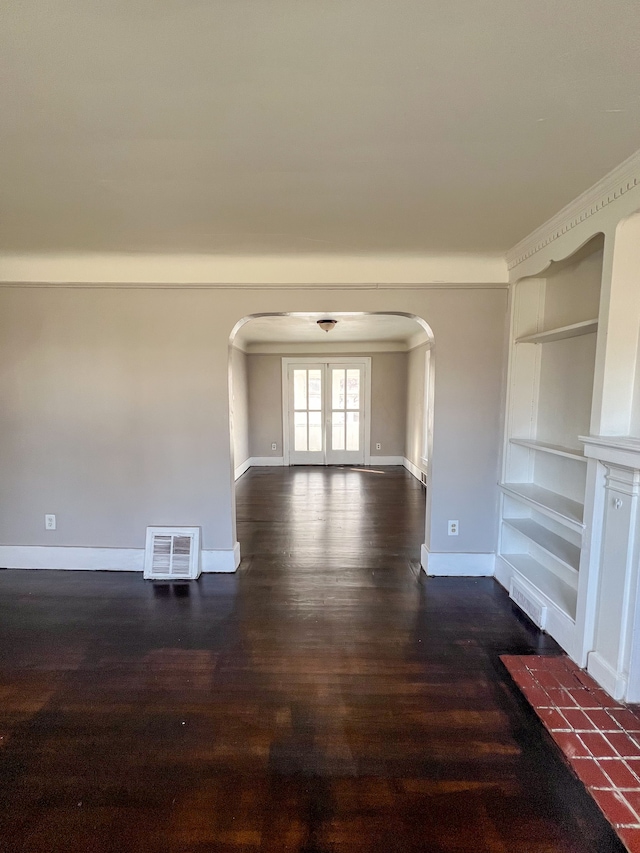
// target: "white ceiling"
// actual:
[[350, 328], [348, 126]]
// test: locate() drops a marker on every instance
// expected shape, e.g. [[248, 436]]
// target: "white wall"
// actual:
[[388, 400], [114, 407], [239, 406]]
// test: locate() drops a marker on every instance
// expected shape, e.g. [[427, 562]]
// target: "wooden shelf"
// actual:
[[556, 449], [563, 596], [563, 551], [564, 510], [586, 327]]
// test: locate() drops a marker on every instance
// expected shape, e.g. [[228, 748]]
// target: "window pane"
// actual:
[[315, 431], [337, 388], [315, 390], [337, 430], [353, 389], [353, 431], [300, 429], [299, 389]]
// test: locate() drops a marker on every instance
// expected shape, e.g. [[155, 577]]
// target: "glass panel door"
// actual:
[[326, 414], [345, 440], [306, 415]]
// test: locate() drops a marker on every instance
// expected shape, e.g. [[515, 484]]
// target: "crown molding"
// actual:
[[275, 271], [621, 180], [343, 286]]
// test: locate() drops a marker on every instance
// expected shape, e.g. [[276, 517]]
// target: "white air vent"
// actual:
[[172, 553], [526, 601]]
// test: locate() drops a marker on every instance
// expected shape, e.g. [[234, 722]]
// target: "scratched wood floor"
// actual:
[[326, 698]]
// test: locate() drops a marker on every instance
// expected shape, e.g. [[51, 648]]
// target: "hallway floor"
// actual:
[[327, 698]]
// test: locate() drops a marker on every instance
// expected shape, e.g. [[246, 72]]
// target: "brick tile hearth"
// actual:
[[599, 737]]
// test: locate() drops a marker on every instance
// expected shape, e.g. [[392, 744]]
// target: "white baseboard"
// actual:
[[278, 461], [240, 470], [503, 573], [458, 565], [418, 473], [71, 558], [384, 460], [610, 680], [558, 625], [221, 561]]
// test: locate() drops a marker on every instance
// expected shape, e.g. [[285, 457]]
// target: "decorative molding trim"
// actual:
[[187, 285], [225, 561], [613, 450], [624, 481], [621, 442], [439, 564], [608, 190], [281, 272], [607, 677], [241, 469], [417, 472], [72, 558]]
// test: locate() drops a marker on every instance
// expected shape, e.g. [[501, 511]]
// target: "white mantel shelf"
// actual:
[[617, 449]]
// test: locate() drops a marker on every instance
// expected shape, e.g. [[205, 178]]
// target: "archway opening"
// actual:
[[367, 387]]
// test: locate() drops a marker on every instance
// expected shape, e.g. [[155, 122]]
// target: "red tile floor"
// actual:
[[599, 737]]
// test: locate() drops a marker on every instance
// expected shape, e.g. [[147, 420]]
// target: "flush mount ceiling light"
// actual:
[[327, 325]]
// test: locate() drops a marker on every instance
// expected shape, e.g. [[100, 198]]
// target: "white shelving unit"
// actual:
[[562, 509], [575, 330], [555, 449], [560, 548], [552, 588], [551, 370]]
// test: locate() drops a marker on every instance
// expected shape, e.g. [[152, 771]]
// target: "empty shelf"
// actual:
[[556, 449], [563, 596], [556, 506], [564, 551], [586, 327]]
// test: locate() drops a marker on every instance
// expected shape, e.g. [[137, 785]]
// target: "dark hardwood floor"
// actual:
[[328, 698]]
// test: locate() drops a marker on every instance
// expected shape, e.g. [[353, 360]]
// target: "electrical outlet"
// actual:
[[453, 528], [274, 446], [378, 446], [49, 522]]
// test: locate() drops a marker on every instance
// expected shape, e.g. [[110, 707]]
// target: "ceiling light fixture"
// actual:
[[327, 325]]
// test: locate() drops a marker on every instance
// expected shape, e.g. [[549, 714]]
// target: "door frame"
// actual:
[[332, 359]]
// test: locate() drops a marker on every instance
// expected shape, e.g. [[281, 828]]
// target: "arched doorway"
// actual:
[[389, 356]]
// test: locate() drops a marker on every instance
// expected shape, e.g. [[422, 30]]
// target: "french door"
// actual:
[[326, 413]]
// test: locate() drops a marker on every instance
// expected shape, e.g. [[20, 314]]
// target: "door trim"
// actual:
[[333, 359]]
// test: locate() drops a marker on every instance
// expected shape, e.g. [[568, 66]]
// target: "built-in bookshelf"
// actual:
[[551, 371]]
